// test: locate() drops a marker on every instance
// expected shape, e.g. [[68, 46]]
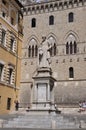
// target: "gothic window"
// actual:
[[51, 51], [54, 49], [71, 72], [1, 70], [3, 37], [32, 51], [67, 48], [33, 24], [51, 20], [33, 48], [71, 48], [75, 47], [70, 17], [29, 51], [36, 51], [71, 45]]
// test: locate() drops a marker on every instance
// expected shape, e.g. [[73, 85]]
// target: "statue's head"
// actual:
[[43, 38]]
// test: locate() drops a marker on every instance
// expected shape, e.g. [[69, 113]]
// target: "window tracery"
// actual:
[[71, 45]]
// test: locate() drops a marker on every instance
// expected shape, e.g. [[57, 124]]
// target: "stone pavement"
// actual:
[[34, 129], [72, 111]]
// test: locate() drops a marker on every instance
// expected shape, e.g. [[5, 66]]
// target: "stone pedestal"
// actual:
[[43, 90]]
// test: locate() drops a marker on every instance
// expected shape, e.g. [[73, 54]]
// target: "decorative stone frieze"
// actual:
[[52, 6]]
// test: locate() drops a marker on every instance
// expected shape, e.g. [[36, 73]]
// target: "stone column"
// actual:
[[48, 87], [52, 95], [35, 92]]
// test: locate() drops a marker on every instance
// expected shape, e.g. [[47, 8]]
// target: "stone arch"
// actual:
[[71, 33], [31, 38], [53, 36]]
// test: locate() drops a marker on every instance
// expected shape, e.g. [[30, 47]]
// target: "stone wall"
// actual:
[[67, 90]]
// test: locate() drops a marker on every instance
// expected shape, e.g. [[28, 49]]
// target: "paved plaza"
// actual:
[[33, 129]]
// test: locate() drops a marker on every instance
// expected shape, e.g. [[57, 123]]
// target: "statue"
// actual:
[[44, 53]]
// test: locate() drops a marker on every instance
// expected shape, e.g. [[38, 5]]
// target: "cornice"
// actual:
[[51, 6]]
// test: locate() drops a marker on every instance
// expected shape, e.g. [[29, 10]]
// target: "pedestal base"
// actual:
[[43, 90]]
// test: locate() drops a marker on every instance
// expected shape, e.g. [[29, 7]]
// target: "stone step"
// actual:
[[37, 129], [44, 121], [36, 124], [39, 117]]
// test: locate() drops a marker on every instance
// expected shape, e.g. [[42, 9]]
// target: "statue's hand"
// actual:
[[49, 60], [40, 51]]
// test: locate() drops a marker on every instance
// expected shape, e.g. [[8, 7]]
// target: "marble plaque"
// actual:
[[42, 92]]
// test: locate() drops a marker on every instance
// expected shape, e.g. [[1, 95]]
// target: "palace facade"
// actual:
[[63, 22], [10, 53]]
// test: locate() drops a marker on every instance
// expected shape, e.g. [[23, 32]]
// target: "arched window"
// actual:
[[36, 50], [75, 47], [67, 48], [71, 72], [33, 24], [29, 51], [51, 20], [32, 51], [54, 49], [71, 17], [71, 48]]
